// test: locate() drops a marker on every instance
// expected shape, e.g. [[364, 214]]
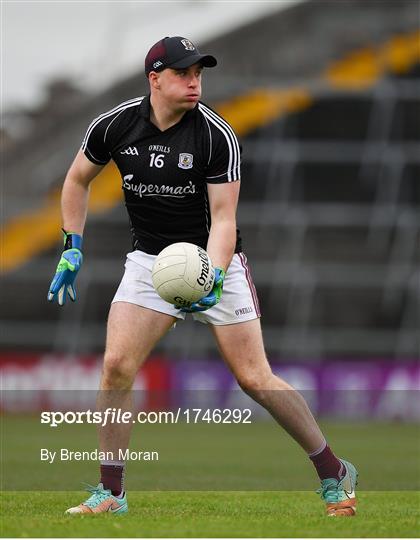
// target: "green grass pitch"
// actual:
[[210, 514], [213, 481]]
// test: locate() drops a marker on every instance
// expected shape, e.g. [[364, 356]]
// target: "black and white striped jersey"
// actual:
[[165, 173]]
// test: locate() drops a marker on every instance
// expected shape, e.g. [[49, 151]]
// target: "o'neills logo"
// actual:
[[202, 279], [156, 190]]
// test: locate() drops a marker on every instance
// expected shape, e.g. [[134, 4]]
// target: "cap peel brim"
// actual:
[[207, 60]]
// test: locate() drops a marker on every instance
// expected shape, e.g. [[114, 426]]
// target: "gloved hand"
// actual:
[[68, 266], [212, 298]]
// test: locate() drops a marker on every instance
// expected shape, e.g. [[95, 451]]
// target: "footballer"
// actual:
[[180, 166]]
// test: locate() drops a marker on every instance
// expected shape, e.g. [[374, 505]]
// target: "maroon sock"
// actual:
[[327, 465], [112, 477]]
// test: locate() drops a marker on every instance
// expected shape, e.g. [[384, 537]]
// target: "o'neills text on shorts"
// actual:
[[64, 454]]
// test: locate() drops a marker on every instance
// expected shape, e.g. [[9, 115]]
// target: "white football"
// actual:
[[182, 274]]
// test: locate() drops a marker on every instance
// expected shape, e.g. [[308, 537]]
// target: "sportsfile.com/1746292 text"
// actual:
[[119, 416]]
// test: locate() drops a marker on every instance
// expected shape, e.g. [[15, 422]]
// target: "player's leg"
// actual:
[[242, 347], [132, 333]]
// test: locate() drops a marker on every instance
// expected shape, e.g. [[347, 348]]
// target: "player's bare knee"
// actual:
[[255, 382], [118, 372]]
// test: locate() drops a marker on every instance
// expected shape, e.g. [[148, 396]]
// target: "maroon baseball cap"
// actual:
[[177, 53]]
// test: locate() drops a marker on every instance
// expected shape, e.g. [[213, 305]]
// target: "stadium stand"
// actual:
[[330, 198]]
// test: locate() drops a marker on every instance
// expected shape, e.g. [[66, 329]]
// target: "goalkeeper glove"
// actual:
[[212, 298], [68, 266]]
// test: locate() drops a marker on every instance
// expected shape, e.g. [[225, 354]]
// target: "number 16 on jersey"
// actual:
[[156, 160]]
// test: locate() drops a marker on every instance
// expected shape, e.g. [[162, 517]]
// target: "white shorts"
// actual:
[[239, 300]]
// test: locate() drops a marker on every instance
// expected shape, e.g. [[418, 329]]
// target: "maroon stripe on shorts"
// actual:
[[251, 285]]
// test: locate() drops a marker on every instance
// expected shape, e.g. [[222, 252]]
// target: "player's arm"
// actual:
[[223, 183], [75, 194], [223, 200], [74, 204]]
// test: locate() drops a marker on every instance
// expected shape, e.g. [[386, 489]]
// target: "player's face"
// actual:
[[181, 88]]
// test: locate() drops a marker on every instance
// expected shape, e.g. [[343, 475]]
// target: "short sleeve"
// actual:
[[94, 144], [224, 162]]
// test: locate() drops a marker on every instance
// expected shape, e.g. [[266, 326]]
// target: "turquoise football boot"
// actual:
[[340, 495], [101, 500]]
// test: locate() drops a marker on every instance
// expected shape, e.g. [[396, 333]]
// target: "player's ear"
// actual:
[[154, 79]]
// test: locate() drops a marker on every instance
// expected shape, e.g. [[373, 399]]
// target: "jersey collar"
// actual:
[[145, 107]]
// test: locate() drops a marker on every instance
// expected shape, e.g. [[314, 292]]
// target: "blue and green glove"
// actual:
[[212, 298], [70, 263]]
